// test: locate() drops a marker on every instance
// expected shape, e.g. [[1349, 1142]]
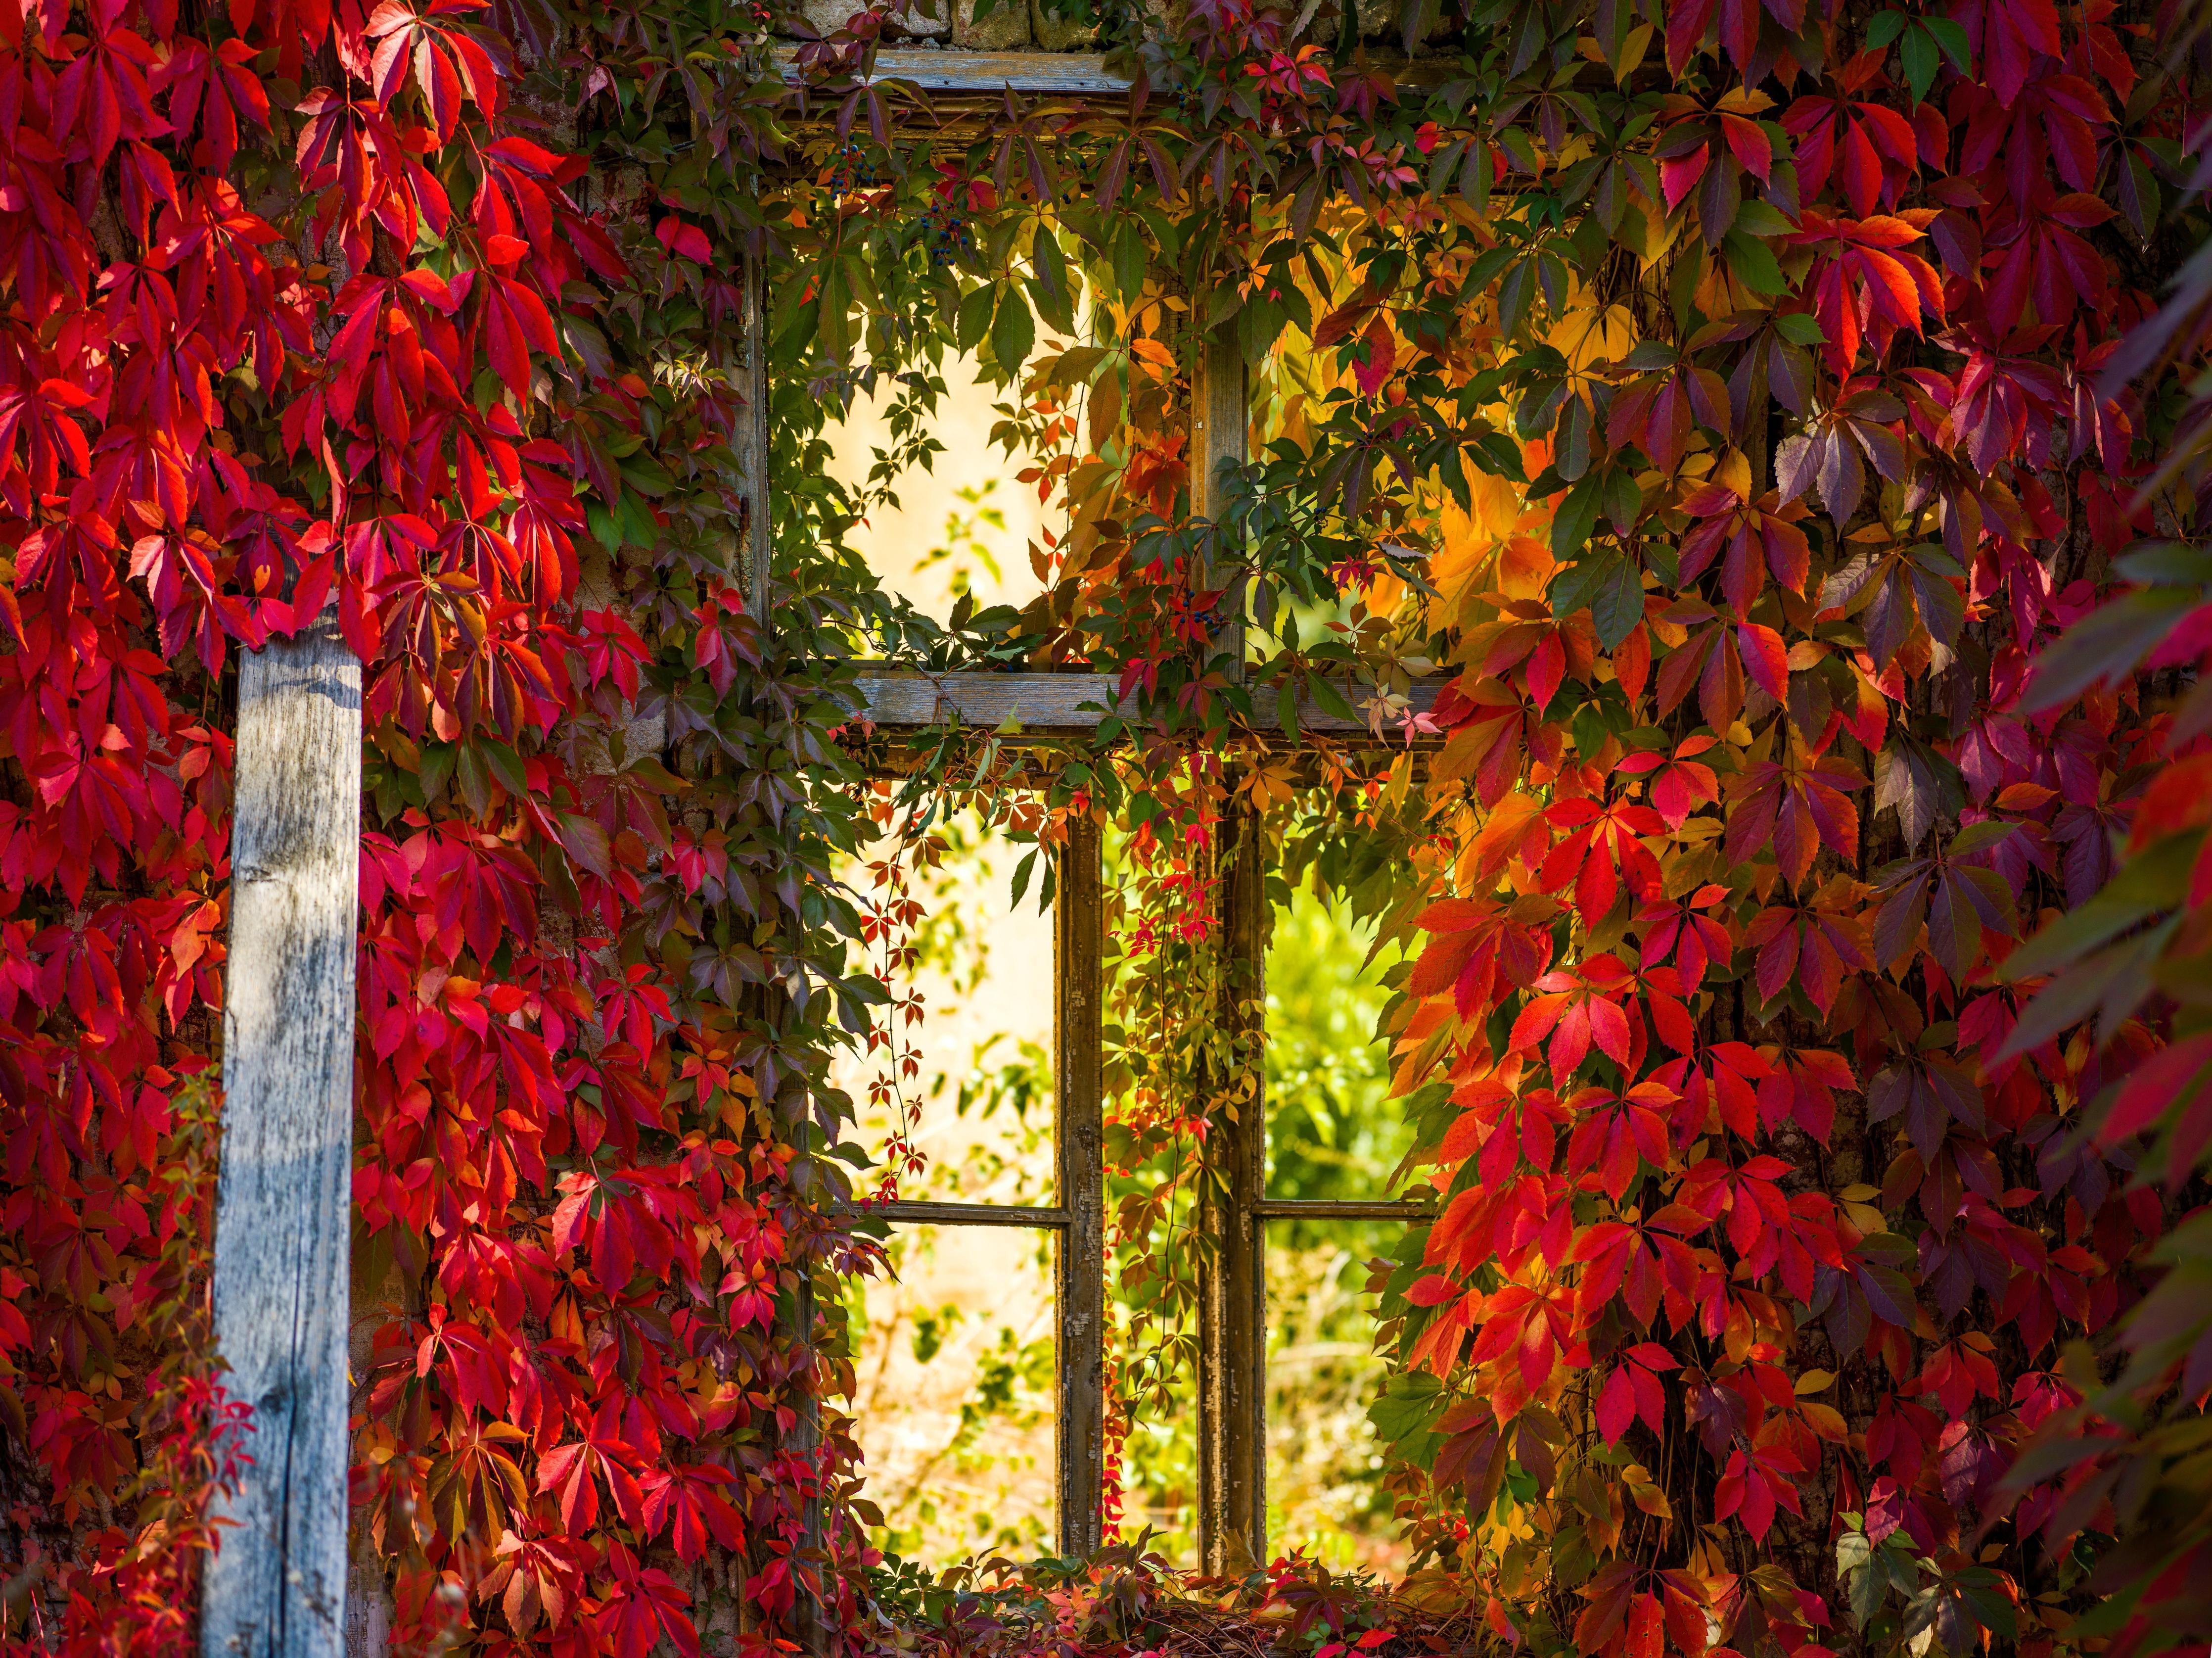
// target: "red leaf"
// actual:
[[1616, 1404], [1381, 352]]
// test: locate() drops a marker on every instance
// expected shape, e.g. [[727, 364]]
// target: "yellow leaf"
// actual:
[[1827, 1423], [1735, 471], [1632, 53], [1646, 1492], [1525, 568], [1868, 1221], [1586, 336]]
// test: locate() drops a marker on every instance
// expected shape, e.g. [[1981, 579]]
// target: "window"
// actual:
[[1076, 1216], [1231, 1381], [1232, 1506]]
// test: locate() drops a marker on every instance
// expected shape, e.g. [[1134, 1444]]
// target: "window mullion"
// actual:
[[1232, 1291], [1232, 1410], [1079, 1135]]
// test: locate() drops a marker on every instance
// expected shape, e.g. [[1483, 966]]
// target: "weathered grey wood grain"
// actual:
[[1220, 419], [1044, 703], [1037, 74], [1066, 74], [1078, 1130], [1048, 705], [276, 1589]]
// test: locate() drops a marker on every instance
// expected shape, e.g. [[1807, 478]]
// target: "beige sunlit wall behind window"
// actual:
[[972, 479], [954, 1359]]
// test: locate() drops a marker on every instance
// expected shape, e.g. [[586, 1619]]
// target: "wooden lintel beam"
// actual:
[[1054, 704], [957, 71], [922, 1211], [1036, 73]]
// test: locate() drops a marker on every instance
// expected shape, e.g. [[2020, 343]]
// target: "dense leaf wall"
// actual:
[[1729, 403]]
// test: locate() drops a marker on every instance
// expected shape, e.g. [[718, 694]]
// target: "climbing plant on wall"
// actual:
[[1731, 405]]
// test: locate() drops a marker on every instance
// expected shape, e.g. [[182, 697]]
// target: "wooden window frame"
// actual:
[[1232, 1421], [1076, 1215]]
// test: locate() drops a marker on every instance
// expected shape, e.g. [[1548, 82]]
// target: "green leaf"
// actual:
[[1762, 219], [1884, 28], [1515, 294], [974, 316], [1014, 331], [1951, 37], [1130, 259], [1619, 605], [1410, 1406], [1869, 1587], [439, 759], [1574, 440], [637, 526], [1055, 294], [474, 779], [1979, 837], [2156, 881], [2166, 563], [1577, 518], [2106, 644], [1327, 697], [1574, 588], [1753, 263], [647, 475], [1921, 60], [506, 767], [604, 528], [1852, 1552], [867, 992], [1624, 500]]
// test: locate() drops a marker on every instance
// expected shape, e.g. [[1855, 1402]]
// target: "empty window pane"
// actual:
[[1331, 1133], [962, 521], [953, 1354], [1325, 1497], [954, 1397]]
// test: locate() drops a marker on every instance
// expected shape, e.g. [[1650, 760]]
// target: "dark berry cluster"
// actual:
[[945, 232], [856, 170]]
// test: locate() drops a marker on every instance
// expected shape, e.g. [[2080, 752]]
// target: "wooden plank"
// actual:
[[1050, 704], [958, 72], [1036, 74], [1041, 702], [282, 1225], [1079, 1135], [1232, 1292], [1220, 418], [1336, 1209]]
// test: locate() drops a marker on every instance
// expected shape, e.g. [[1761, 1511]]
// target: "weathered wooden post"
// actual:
[[276, 1588]]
